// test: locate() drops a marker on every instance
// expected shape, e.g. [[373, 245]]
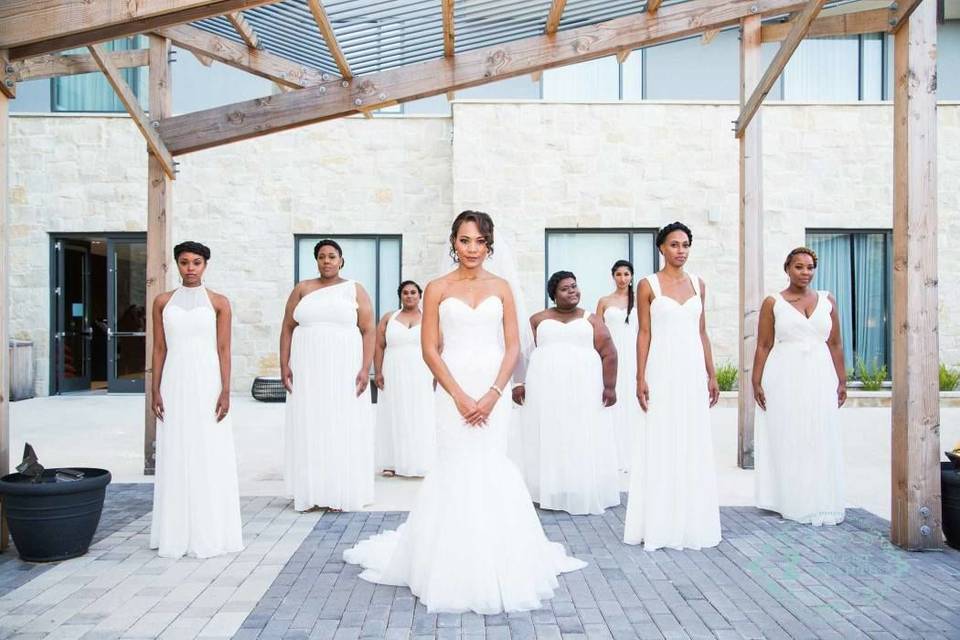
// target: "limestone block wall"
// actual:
[[531, 165]]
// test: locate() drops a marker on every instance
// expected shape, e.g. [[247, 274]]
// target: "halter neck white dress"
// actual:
[[196, 501], [406, 427], [625, 415], [329, 430], [473, 541], [799, 454], [577, 471], [673, 496]]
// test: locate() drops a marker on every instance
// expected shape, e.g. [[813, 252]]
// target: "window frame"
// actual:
[[629, 231], [134, 84], [377, 237], [887, 285]]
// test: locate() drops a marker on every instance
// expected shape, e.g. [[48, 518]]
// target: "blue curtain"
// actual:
[[870, 267], [91, 91], [834, 275]]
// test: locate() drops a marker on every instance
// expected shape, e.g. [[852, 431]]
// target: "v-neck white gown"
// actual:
[[673, 490], [799, 456]]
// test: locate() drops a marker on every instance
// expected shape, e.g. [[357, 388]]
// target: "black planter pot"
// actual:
[[950, 499], [51, 520]]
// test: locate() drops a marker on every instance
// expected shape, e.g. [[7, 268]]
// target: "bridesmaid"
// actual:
[[673, 499], [406, 433], [620, 316], [800, 383], [196, 503], [571, 379], [326, 348]]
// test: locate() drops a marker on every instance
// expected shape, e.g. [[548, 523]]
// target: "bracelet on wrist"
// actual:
[[499, 391]]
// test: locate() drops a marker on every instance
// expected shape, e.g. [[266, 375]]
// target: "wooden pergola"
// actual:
[[333, 72]]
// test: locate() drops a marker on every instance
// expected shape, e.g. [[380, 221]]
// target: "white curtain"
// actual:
[[824, 69]]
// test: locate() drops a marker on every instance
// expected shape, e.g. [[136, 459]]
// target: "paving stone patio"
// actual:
[[768, 579]]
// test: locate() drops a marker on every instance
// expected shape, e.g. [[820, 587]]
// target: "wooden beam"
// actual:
[[789, 45], [8, 77], [245, 29], [902, 13], [451, 96], [262, 116], [751, 239], [623, 55], [845, 24], [206, 61], [255, 61], [159, 249], [129, 100], [449, 29], [653, 6], [326, 30], [553, 18], [708, 36], [4, 297], [915, 521], [56, 65], [34, 27]]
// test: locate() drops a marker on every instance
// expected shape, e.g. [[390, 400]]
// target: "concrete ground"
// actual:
[[107, 431]]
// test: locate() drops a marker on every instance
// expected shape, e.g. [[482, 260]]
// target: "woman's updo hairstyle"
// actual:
[[327, 242], [806, 251], [484, 223], [670, 228], [555, 281], [191, 247], [613, 270], [404, 284]]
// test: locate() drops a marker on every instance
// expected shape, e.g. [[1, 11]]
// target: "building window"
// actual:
[[589, 253], [91, 91], [592, 80], [371, 260], [855, 266]]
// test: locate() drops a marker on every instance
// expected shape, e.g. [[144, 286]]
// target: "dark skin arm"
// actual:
[[159, 351], [286, 336], [603, 343], [766, 334], [221, 305], [835, 344], [368, 332], [520, 390], [381, 346], [644, 298], [712, 387]]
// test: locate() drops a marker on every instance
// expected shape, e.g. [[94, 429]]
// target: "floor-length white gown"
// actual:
[[799, 456], [329, 430], [406, 428], [564, 394], [473, 541], [673, 499], [196, 499], [625, 415]]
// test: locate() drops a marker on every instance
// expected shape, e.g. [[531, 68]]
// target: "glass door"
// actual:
[[74, 334], [127, 314]]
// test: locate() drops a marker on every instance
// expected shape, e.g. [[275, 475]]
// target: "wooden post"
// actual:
[[751, 237], [158, 230], [4, 299], [916, 510]]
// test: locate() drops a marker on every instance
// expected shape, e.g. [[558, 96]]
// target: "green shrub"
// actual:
[[727, 376], [872, 375], [949, 377]]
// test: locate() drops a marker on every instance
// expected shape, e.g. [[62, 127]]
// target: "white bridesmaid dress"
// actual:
[[406, 427], [673, 497], [473, 541], [799, 455], [577, 470], [625, 415], [196, 499], [329, 430]]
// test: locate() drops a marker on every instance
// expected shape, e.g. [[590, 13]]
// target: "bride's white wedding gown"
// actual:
[[473, 541]]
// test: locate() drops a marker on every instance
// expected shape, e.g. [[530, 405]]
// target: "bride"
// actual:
[[473, 541]]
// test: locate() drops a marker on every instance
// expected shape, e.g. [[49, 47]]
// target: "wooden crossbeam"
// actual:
[[34, 27], [797, 32], [245, 29], [623, 55], [553, 18], [55, 65], [902, 13], [253, 118], [708, 36], [255, 61], [129, 100], [653, 5], [326, 30], [449, 31], [206, 61], [846, 24]]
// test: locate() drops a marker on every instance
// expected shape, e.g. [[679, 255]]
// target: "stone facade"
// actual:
[[532, 165]]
